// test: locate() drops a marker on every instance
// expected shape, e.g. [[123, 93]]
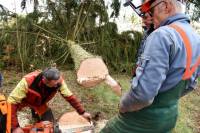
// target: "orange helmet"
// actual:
[[141, 7]]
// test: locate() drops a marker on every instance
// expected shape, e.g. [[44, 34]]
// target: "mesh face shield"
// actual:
[[139, 6]]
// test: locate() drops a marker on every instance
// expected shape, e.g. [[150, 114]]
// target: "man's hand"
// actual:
[[87, 116], [127, 104], [18, 130], [122, 109]]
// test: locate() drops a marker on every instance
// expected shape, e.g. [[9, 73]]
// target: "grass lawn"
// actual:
[[189, 118], [189, 108], [101, 100]]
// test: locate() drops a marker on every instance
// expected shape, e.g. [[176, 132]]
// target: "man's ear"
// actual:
[[60, 80], [168, 7], [43, 79]]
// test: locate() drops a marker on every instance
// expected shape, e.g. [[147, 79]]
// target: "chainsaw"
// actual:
[[49, 127], [70, 122], [41, 127]]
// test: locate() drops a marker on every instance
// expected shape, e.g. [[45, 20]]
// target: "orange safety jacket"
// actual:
[[189, 70], [5, 109], [38, 95]]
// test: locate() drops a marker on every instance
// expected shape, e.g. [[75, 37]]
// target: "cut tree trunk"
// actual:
[[72, 122], [90, 69]]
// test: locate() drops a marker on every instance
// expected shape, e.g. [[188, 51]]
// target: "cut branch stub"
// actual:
[[91, 70], [72, 118], [72, 122]]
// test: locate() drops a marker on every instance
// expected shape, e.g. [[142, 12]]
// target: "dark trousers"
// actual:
[[47, 116], [2, 123]]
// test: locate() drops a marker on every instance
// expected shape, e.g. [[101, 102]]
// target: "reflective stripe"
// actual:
[[8, 120], [188, 72]]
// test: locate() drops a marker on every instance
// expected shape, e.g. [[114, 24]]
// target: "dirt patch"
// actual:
[[99, 125]]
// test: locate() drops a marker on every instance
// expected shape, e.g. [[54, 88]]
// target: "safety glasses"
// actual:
[[142, 8], [153, 5]]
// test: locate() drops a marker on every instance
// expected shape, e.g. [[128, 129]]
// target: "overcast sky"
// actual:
[[123, 21]]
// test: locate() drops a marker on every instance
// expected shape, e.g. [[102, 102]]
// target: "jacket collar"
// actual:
[[177, 17]]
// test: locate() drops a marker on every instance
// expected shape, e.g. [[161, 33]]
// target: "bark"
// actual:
[[90, 69]]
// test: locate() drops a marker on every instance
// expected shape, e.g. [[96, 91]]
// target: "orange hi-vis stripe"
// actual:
[[8, 123], [188, 72]]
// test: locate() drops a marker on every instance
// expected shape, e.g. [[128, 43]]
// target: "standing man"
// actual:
[[168, 66], [35, 90], [147, 24]]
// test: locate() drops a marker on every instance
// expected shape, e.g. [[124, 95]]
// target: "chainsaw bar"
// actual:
[[78, 129]]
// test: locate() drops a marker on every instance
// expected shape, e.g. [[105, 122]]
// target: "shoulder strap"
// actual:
[[188, 72]]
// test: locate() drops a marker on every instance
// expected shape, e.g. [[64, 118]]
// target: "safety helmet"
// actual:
[[141, 7]]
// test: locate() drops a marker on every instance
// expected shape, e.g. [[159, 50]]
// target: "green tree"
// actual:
[[47, 29], [193, 6]]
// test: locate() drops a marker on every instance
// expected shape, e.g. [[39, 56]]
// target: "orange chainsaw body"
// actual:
[[41, 127], [70, 122]]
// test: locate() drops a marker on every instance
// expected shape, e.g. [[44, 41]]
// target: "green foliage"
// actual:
[[118, 50], [78, 54], [5, 14], [193, 6], [116, 6], [38, 39], [24, 45]]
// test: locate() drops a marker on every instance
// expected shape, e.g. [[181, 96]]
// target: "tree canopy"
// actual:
[[194, 7], [33, 39], [39, 38]]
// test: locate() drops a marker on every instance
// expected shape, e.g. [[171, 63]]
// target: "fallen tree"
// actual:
[[91, 69]]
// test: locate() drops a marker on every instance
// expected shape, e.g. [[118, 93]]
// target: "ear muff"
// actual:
[[43, 80]]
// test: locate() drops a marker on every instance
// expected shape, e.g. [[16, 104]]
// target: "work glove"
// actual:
[[87, 116]]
